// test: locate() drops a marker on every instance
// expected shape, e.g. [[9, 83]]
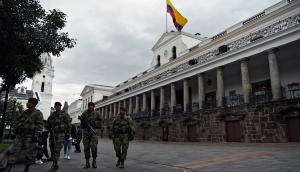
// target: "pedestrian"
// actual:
[[27, 128], [78, 139], [122, 131], [59, 124], [91, 124], [45, 135], [67, 146], [73, 134]]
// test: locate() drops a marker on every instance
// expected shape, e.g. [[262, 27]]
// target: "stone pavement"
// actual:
[[188, 157]]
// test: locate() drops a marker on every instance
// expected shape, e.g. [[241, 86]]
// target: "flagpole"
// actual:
[[166, 17]]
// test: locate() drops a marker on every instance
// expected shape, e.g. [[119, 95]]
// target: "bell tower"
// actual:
[[42, 85]]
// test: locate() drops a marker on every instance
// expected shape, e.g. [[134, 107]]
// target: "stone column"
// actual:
[[201, 94], [185, 94], [111, 110], [162, 99], [152, 101], [130, 106], [144, 107], [274, 74], [137, 104], [173, 97], [115, 109], [245, 80], [102, 112], [106, 111], [220, 87], [120, 104], [124, 104]]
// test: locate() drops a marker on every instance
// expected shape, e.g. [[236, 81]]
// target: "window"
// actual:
[[44, 76], [158, 60], [174, 52], [43, 87]]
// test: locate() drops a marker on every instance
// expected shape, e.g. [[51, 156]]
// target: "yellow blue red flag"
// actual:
[[178, 20]]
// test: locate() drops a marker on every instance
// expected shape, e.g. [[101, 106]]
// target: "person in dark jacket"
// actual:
[[78, 139]]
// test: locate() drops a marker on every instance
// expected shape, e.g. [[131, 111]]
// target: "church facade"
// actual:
[[241, 85], [42, 85]]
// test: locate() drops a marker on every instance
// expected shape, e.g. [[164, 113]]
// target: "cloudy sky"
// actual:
[[115, 37]]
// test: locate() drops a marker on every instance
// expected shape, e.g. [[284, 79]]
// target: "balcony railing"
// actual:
[[140, 115], [155, 113], [165, 111], [234, 100], [178, 109]]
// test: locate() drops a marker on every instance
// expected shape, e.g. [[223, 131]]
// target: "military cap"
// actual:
[[33, 101], [57, 104], [91, 104]]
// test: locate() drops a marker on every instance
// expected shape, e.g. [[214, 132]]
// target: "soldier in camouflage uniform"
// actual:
[[91, 124], [27, 127], [121, 133], [59, 124]]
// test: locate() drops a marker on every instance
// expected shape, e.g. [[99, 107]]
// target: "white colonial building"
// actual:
[[93, 93], [75, 110], [240, 85], [42, 85]]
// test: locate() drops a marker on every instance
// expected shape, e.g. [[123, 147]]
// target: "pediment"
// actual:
[[166, 37], [85, 90]]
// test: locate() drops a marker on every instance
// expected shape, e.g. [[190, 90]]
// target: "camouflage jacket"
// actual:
[[94, 120], [122, 125], [60, 122], [30, 123]]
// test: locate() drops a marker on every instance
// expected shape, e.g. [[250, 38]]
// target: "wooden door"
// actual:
[[146, 133], [233, 131], [165, 134], [293, 129], [192, 133]]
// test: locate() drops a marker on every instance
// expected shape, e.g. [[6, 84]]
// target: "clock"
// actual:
[[166, 53]]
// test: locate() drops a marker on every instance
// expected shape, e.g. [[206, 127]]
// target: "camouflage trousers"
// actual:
[[56, 148], [90, 142], [121, 144], [23, 150]]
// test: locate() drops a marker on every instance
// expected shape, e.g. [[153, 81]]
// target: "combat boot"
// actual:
[[118, 163], [8, 168], [26, 169], [122, 164], [94, 165], [53, 167], [87, 164]]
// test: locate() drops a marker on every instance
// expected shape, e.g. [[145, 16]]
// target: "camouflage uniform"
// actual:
[[60, 122], [27, 128], [120, 130], [90, 140]]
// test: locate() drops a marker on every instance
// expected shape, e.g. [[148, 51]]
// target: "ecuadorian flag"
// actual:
[[178, 20]]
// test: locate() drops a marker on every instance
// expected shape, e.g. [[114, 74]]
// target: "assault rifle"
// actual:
[[52, 133], [86, 124]]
